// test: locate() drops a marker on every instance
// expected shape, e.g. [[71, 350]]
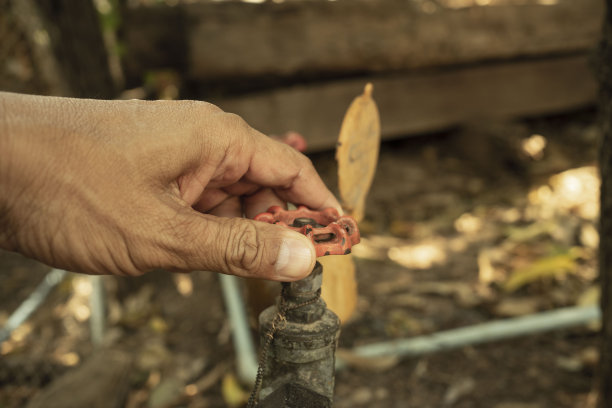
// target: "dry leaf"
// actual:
[[542, 268], [464, 294], [572, 364], [357, 152], [158, 324], [590, 296], [458, 390], [366, 363], [531, 232], [233, 395], [486, 272], [516, 307]]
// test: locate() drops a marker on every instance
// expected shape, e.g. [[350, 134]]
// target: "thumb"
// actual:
[[246, 248]]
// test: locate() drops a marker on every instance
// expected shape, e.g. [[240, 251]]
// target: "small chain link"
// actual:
[[278, 324]]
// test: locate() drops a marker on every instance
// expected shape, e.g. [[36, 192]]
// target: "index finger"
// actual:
[[289, 173]]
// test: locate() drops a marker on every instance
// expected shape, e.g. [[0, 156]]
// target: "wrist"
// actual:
[[7, 230], [23, 164]]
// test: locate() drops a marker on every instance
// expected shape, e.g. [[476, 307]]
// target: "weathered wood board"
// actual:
[[214, 40], [427, 101]]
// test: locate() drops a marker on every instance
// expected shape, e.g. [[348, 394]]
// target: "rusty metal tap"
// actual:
[[299, 334], [331, 233]]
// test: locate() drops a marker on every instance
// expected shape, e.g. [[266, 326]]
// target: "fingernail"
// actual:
[[296, 256]]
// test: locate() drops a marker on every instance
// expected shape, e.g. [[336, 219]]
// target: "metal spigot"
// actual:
[[300, 334]]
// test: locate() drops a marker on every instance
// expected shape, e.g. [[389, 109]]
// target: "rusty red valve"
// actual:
[[330, 233]]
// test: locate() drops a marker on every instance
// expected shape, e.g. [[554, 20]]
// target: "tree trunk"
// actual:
[[604, 71], [68, 47]]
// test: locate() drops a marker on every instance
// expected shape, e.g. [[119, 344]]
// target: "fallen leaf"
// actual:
[[545, 267], [463, 293], [590, 296], [210, 378], [570, 364], [152, 355], [158, 324], [376, 364], [422, 255], [458, 390], [589, 236], [408, 300], [362, 396], [516, 307], [137, 308], [486, 272], [401, 324], [233, 394], [530, 232], [166, 392], [590, 356], [400, 284]]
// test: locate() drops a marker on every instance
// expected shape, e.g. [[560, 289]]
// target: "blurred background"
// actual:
[[484, 206]]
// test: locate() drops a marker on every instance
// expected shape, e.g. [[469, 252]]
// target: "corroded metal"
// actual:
[[299, 364], [331, 233]]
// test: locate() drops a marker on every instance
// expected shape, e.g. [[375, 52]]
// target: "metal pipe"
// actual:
[[299, 336], [241, 335], [481, 333], [29, 306], [97, 319]]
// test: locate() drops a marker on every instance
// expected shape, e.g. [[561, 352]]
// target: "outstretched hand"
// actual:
[[123, 187]]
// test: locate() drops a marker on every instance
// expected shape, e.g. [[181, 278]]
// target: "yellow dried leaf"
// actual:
[[158, 324], [357, 153], [542, 268], [233, 395], [516, 307], [590, 296]]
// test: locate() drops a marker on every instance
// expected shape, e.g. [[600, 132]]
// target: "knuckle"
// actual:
[[196, 112], [305, 161], [301, 160], [205, 108], [244, 251], [236, 124], [231, 175]]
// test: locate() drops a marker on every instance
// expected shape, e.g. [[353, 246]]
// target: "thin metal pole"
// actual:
[[97, 319], [29, 306], [241, 334], [481, 333]]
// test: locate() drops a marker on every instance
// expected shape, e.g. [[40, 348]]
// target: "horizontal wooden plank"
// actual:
[[214, 40], [422, 102]]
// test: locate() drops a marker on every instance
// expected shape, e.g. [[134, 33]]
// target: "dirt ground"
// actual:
[[463, 227]]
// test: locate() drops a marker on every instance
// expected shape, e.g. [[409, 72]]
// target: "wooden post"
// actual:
[[68, 47], [605, 248]]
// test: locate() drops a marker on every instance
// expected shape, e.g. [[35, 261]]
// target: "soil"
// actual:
[[451, 221]]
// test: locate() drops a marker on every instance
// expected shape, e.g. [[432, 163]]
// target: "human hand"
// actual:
[[123, 187]]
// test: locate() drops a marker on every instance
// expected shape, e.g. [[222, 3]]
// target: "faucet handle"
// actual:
[[331, 233]]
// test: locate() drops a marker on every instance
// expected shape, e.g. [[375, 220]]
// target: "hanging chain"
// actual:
[[278, 323]]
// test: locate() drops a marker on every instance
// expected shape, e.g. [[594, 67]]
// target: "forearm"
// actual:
[[5, 142], [10, 105]]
